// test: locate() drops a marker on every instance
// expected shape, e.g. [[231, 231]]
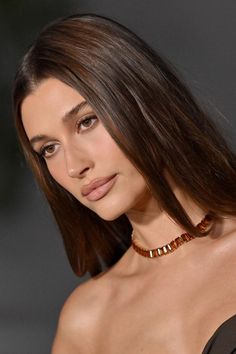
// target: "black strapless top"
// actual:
[[223, 340]]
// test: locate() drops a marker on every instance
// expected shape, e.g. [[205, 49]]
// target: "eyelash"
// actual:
[[42, 151], [84, 119]]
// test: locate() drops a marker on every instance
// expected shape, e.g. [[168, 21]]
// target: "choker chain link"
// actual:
[[174, 244]]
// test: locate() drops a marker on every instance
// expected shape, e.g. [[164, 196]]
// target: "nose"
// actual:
[[77, 163]]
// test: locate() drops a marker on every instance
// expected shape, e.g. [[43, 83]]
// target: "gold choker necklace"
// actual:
[[174, 244]]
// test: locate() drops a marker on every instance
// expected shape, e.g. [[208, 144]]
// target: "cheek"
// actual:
[[57, 170], [111, 156], [130, 192], [106, 148]]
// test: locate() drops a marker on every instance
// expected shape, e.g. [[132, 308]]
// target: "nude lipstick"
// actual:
[[98, 188]]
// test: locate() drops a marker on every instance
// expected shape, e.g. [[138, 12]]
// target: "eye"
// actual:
[[87, 123], [47, 150]]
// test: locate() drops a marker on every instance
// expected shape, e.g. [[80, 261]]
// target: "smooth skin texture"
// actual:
[[172, 303]]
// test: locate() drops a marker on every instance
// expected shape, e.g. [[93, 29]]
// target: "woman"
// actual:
[[120, 147]]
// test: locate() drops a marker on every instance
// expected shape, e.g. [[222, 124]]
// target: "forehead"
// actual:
[[48, 102]]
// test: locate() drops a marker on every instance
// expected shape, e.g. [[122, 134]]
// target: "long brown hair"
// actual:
[[149, 113]]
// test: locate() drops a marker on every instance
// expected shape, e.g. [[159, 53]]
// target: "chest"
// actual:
[[171, 314], [136, 329]]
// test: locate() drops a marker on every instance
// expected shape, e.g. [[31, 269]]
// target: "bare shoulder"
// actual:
[[229, 233], [226, 244], [80, 317]]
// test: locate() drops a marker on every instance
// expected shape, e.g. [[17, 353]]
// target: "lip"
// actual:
[[98, 187]]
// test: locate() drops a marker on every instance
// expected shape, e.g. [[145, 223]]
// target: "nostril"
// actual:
[[84, 170], [73, 172]]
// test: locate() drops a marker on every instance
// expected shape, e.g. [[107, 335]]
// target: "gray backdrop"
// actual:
[[197, 36]]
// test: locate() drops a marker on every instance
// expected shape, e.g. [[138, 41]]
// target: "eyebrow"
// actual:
[[79, 108]]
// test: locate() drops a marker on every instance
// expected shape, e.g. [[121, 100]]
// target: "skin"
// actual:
[[170, 303]]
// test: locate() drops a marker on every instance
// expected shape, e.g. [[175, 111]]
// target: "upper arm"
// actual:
[[76, 323], [69, 334], [68, 337], [63, 345]]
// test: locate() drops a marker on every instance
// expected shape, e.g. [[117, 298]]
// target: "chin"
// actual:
[[109, 216], [109, 213]]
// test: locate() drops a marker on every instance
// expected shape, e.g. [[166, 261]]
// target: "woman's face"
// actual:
[[78, 150]]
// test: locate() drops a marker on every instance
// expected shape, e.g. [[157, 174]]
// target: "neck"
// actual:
[[153, 227]]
